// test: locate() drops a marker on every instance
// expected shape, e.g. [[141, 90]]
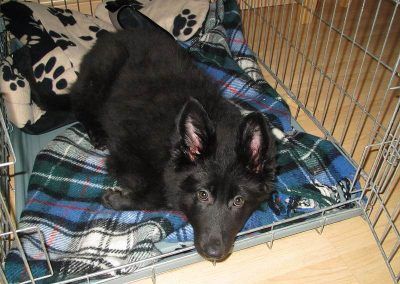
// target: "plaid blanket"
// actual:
[[69, 175]]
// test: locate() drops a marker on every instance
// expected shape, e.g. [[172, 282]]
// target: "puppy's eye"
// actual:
[[203, 195], [238, 201]]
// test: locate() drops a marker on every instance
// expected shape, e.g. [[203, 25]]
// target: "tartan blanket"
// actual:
[[69, 175]]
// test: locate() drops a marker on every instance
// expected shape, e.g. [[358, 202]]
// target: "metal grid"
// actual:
[[338, 61], [9, 235], [303, 46]]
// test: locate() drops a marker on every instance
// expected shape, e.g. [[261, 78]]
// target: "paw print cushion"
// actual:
[[54, 72], [16, 95], [181, 18], [54, 41]]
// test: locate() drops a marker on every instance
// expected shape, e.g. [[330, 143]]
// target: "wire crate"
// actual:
[[337, 63]]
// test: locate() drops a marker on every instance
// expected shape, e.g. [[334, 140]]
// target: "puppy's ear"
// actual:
[[196, 130], [255, 145]]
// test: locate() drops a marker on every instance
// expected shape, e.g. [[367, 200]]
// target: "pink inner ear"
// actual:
[[255, 145], [192, 139], [255, 148]]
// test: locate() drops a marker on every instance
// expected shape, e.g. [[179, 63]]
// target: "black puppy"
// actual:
[[174, 142]]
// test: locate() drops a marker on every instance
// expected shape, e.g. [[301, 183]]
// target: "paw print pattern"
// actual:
[[183, 23], [61, 40], [12, 77], [65, 16], [34, 35], [30, 40], [93, 29], [50, 80]]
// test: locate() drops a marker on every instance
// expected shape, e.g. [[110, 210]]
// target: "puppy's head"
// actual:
[[225, 173]]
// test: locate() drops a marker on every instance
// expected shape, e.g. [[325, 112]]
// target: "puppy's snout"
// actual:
[[214, 250]]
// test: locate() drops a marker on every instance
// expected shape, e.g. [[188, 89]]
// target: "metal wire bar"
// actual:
[[389, 225], [311, 77], [319, 84], [378, 125], [351, 39], [17, 239], [91, 7], [330, 91], [386, 176], [77, 4], [394, 251], [275, 34], [3, 278], [255, 22], [395, 215], [268, 32], [246, 20], [288, 48], [352, 106], [391, 154], [390, 171], [360, 169], [313, 60], [385, 198], [372, 198], [342, 91], [270, 228], [42, 244], [384, 182], [363, 117], [301, 73], [390, 219], [296, 54], [331, 80], [379, 179], [388, 168], [308, 113], [7, 142], [261, 31], [278, 61], [128, 265], [394, 277], [370, 179]]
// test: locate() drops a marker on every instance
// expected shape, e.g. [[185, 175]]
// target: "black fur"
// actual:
[[174, 142]]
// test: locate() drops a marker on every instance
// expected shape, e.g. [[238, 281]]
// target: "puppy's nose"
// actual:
[[214, 249]]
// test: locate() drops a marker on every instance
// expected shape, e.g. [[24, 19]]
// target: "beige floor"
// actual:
[[345, 253]]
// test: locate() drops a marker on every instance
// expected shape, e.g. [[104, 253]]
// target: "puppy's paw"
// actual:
[[97, 142], [99, 146], [117, 199]]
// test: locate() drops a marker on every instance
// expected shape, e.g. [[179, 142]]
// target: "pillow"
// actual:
[[181, 18], [37, 78]]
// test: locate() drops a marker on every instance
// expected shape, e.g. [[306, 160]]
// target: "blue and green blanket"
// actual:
[[69, 175]]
